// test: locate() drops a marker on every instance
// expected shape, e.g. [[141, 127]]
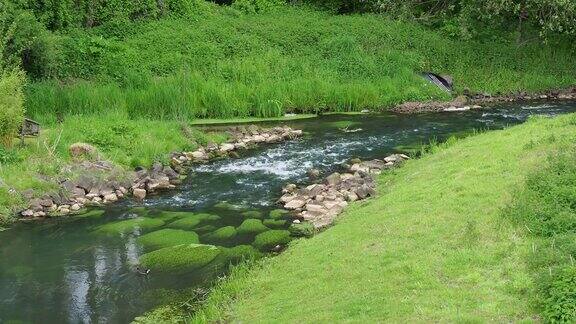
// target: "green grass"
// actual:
[[128, 143], [432, 247], [220, 63]]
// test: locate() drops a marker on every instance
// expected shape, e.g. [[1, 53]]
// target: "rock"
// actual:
[[295, 203], [333, 179], [39, 214], [304, 229], [139, 193], [296, 221], [27, 213], [351, 196], [111, 197], [226, 147], [313, 173], [157, 167], [78, 192], [64, 211], [180, 259], [273, 139], [269, 239], [97, 200], [355, 161], [259, 139], [170, 173], [46, 202], [289, 188], [78, 150], [75, 207]]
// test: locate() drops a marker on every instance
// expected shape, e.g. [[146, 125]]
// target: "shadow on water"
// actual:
[[82, 269]]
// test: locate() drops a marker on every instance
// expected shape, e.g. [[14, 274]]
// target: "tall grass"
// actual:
[[228, 64]]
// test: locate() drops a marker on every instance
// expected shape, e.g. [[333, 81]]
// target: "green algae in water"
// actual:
[[167, 237], [344, 124], [192, 221], [228, 206], [180, 258], [279, 214], [251, 227], [95, 213], [129, 225], [274, 223], [304, 229], [268, 240], [140, 211], [221, 235], [252, 214]]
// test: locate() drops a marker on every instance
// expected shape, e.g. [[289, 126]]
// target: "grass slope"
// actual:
[[222, 63], [433, 247]]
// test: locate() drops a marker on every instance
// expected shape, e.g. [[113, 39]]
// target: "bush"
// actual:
[[560, 296], [11, 105]]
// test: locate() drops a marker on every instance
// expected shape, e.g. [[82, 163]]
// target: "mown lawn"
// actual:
[[433, 247]]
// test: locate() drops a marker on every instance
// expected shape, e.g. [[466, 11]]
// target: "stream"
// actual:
[[70, 270]]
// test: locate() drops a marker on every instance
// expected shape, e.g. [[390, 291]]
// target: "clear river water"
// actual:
[[67, 271]]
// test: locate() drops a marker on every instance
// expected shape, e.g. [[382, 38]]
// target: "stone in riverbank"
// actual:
[[101, 182], [319, 204]]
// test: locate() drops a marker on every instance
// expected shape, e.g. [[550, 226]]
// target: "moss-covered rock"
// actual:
[[94, 213], [251, 227], [252, 214], [274, 223], [267, 240], [193, 221], [125, 226], [279, 214], [205, 229], [228, 206], [304, 229], [232, 255], [168, 216], [140, 211], [167, 237], [180, 258], [221, 235]]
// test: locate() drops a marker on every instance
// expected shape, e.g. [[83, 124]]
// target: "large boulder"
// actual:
[[268, 240], [167, 237], [179, 259], [251, 227], [82, 150]]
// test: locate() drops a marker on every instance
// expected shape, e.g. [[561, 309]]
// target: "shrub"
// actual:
[[11, 105], [560, 296]]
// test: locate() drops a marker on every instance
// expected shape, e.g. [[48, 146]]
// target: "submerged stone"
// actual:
[[304, 229], [179, 258], [92, 214], [221, 235], [279, 214], [275, 223], [251, 227], [268, 240], [227, 205], [125, 226], [252, 214], [193, 220], [167, 237], [171, 215]]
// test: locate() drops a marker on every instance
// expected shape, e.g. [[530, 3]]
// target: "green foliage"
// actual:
[[11, 105], [304, 229], [267, 240], [547, 208], [129, 225], [167, 237], [256, 6], [251, 227], [180, 258]]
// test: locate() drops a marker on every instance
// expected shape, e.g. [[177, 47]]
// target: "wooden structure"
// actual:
[[29, 128]]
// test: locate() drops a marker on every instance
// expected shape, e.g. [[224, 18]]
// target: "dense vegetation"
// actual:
[[194, 59], [547, 208], [436, 245]]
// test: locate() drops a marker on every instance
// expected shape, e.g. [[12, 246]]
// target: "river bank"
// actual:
[[435, 243]]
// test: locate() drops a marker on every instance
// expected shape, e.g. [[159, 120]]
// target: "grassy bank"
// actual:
[[436, 245], [44, 161], [219, 62]]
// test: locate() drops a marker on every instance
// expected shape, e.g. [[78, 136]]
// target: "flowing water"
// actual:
[[70, 271]]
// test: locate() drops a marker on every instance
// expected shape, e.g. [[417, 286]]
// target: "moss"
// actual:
[[305, 229], [233, 255], [252, 214], [129, 225], [228, 206], [192, 221], [274, 223], [140, 211], [251, 227], [95, 213], [279, 214], [167, 237], [267, 240], [205, 229], [180, 258], [168, 216], [221, 235]]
